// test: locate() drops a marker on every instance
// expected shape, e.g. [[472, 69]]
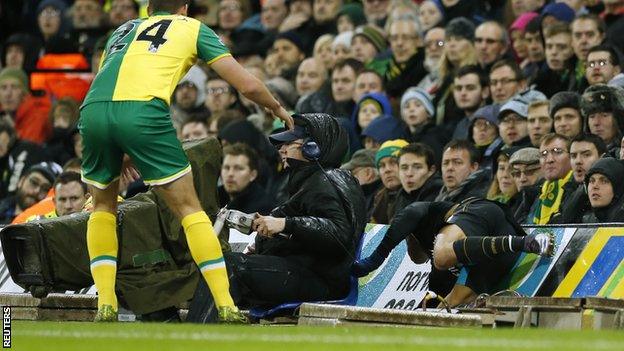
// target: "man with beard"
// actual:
[[470, 91], [305, 247], [31, 188], [434, 48]]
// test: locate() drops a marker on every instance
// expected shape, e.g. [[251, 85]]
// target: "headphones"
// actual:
[[310, 150]]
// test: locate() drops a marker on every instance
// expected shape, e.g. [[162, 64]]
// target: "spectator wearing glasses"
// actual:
[[512, 123], [506, 80], [491, 42], [220, 96], [32, 187], [527, 175], [434, 49], [565, 110], [585, 151], [483, 133], [603, 66], [603, 109], [406, 63], [559, 183]]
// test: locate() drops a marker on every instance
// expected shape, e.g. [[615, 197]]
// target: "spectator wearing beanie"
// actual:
[[605, 188], [350, 17], [557, 12], [370, 106], [602, 107], [28, 113], [289, 52], [341, 46], [518, 42], [483, 133], [565, 111], [367, 42], [417, 112], [387, 163], [527, 174], [382, 129]]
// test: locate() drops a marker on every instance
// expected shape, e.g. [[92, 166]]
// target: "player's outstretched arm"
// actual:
[[251, 87]]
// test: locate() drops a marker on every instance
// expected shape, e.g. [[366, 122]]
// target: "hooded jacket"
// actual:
[[614, 211], [384, 128], [381, 99], [325, 213]]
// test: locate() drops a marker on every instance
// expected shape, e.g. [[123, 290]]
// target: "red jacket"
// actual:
[[32, 118]]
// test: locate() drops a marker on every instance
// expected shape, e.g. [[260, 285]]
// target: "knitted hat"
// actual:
[[57, 4], [525, 156], [460, 27], [564, 99], [602, 98], [293, 38], [372, 34], [390, 148], [361, 158], [488, 113], [355, 12], [17, 74], [521, 22], [559, 10], [422, 96], [343, 39], [49, 170]]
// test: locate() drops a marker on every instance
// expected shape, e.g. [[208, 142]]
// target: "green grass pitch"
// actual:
[[148, 336]]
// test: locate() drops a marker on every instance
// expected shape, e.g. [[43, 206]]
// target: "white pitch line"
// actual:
[[337, 339]]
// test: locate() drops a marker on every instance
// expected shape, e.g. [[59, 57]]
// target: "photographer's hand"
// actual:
[[268, 226]]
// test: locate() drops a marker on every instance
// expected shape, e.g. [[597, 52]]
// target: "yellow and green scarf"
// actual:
[[550, 199]]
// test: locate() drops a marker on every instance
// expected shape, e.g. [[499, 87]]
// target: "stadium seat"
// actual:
[[290, 308]]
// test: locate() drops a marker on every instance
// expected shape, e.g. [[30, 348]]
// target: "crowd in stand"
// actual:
[[521, 102]]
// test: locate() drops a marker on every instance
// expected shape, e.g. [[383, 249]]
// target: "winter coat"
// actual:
[[427, 192], [476, 185], [326, 212]]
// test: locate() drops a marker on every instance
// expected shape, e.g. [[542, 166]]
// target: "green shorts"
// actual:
[[141, 129]]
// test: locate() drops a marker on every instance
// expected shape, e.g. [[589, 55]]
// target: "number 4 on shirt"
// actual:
[[156, 39]]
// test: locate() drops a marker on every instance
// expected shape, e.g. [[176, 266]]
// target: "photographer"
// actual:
[[305, 247]]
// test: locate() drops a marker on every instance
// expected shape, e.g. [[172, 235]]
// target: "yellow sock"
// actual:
[[102, 246], [206, 251]]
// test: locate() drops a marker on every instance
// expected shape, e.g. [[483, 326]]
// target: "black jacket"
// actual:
[[401, 76], [476, 185], [427, 192], [19, 158], [254, 198], [326, 212]]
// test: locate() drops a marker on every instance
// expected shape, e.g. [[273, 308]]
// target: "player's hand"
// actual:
[[128, 170], [282, 114], [268, 226]]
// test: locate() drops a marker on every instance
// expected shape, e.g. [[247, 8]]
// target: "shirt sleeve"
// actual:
[[209, 46]]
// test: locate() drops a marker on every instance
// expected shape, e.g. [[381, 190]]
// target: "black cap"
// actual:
[[299, 132]]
